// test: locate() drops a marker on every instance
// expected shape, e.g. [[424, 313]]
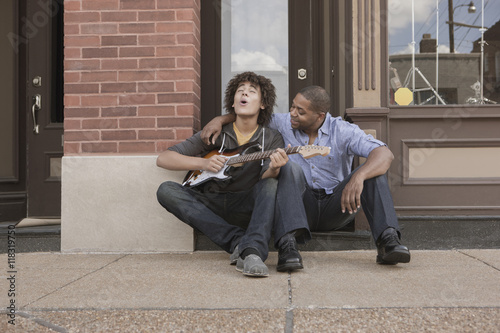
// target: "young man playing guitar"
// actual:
[[325, 192], [236, 213]]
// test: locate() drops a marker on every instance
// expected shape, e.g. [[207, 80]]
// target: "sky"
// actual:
[[400, 25]]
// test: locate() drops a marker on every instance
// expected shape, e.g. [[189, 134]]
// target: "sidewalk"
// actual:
[[438, 291]]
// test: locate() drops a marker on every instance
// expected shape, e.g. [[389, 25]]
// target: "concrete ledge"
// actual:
[[109, 205]]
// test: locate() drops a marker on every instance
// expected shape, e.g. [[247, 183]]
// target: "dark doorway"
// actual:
[[30, 184]]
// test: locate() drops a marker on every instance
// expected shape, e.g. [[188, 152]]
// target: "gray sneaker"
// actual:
[[233, 258], [252, 266]]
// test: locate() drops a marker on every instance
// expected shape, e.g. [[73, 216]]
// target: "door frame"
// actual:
[[328, 48]]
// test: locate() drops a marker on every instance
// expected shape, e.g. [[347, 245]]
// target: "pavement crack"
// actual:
[[289, 311], [42, 322], [76, 280], [484, 262]]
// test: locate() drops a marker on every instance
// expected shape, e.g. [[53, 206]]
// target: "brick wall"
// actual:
[[131, 75]]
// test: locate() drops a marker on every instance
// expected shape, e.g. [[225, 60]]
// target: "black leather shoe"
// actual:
[[390, 251], [289, 258]]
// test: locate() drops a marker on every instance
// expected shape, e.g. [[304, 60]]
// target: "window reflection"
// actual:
[[255, 38], [435, 51]]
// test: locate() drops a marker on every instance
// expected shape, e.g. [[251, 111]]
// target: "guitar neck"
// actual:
[[260, 155]]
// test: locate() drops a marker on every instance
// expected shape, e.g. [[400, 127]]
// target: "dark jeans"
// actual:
[[228, 219], [297, 201]]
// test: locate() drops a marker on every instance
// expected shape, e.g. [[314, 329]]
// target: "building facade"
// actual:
[[106, 85]]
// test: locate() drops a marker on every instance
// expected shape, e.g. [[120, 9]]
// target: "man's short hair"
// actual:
[[318, 97], [267, 89]]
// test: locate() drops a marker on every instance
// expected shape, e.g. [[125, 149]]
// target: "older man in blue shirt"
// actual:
[[324, 191]]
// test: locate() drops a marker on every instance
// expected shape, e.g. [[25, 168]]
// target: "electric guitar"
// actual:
[[239, 156]]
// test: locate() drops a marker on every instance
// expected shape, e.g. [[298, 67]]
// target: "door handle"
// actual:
[[37, 106]]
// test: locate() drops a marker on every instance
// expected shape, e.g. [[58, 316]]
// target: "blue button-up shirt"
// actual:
[[345, 139]]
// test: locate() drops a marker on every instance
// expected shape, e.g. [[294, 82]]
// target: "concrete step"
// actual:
[[30, 239]]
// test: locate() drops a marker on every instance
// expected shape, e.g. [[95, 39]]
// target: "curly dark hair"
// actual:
[[319, 98], [267, 89]]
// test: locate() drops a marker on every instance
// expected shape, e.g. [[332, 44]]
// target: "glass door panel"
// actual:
[[254, 37]]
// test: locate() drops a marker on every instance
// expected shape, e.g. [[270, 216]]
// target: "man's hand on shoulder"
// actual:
[[212, 130]]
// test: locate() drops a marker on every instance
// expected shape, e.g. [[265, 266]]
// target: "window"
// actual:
[[435, 51], [255, 38]]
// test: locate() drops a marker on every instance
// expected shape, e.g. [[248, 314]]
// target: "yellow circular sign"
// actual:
[[403, 96]]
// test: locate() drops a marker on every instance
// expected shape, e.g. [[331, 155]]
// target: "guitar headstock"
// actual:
[[311, 151]]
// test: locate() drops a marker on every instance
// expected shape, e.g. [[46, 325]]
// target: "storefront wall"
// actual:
[[132, 89]]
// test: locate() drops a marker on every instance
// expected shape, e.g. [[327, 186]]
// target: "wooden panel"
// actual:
[[443, 127]]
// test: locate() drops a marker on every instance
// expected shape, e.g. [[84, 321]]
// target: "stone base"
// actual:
[[109, 205]]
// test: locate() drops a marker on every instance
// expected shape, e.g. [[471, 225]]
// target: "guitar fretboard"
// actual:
[[260, 155]]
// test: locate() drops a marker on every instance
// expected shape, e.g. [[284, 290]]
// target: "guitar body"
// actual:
[[197, 177], [243, 154]]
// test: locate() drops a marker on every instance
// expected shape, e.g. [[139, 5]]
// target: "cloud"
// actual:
[[400, 13], [253, 60]]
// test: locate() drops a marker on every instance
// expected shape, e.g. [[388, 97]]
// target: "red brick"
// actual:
[[71, 100], [71, 77], [137, 52], [176, 27], [81, 113], [157, 40], [82, 41], [155, 86], [187, 39], [99, 29], [156, 134], [118, 135], [135, 99], [118, 40], [187, 62], [138, 4], [100, 4], [72, 124], [176, 4], [81, 17], [187, 15], [99, 100], [71, 29], [99, 76], [128, 111], [136, 75], [119, 16], [119, 64], [118, 87], [177, 74], [80, 88], [72, 53], [100, 123], [100, 147], [137, 122], [71, 148], [81, 135], [137, 28], [157, 63], [81, 65], [102, 52], [183, 133], [176, 98], [157, 15], [185, 110], [173, 122], [70, 6], [162, 110], [187, 86], [177, 51], [137, 147]]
